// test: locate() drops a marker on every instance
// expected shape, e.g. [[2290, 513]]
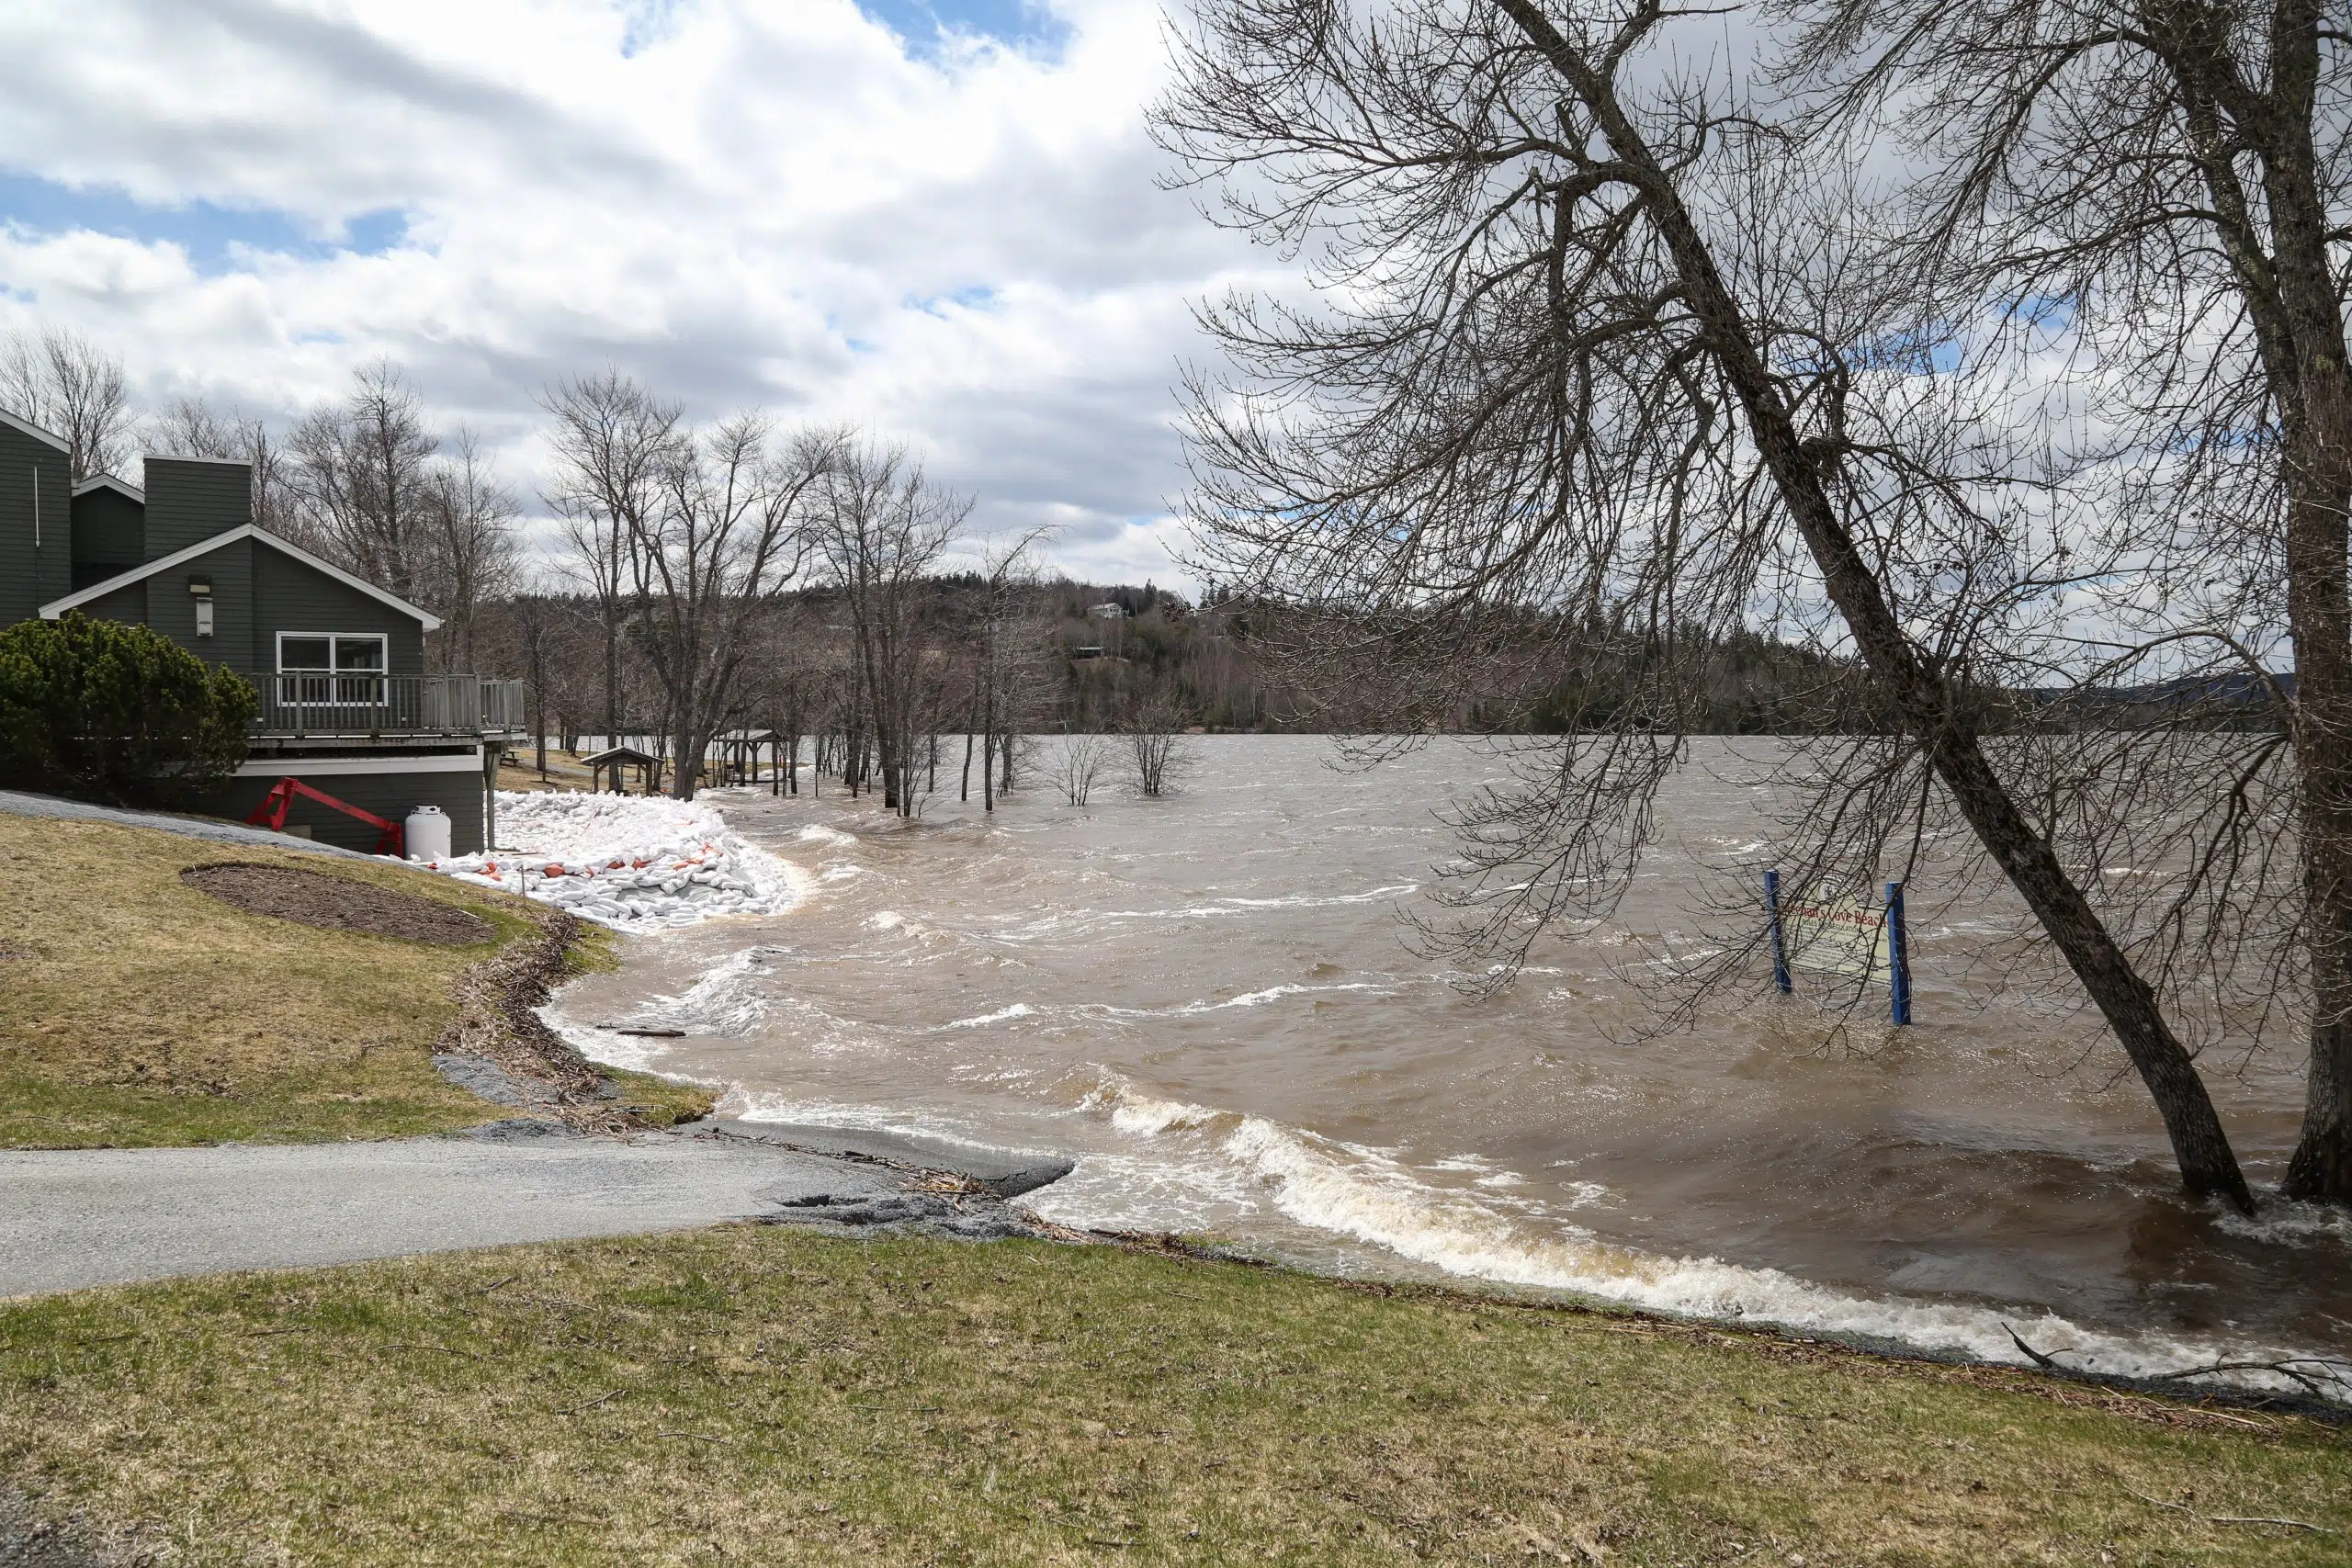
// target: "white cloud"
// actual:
[[767, 203]]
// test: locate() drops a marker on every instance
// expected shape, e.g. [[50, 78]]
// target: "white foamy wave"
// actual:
[[850, 1117], [1079, 919], [1251, 905], [1324, 900], [2283, 1222], [1247, 999], [1317, 1183], [1018, 1009], [1142, 1114], [726, 1001], [815, 834]]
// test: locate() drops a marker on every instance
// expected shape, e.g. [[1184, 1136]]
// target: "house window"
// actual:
[[337, 669]]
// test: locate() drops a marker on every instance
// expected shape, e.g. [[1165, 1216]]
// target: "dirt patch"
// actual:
[[28, 1540], [498, 1028], [337, 904]]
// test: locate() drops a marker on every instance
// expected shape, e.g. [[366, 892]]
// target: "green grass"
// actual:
[[761, 1395], [137, 1011]]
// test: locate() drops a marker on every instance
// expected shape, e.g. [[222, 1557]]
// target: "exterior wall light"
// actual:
[[200, 589]]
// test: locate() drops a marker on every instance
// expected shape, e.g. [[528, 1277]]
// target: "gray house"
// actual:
[[345, 706]]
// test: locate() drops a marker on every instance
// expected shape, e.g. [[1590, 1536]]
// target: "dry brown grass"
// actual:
[[757, 1395], [144, 1013], [564, 772]]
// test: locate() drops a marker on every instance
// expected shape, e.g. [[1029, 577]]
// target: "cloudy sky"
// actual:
[[934, 217]]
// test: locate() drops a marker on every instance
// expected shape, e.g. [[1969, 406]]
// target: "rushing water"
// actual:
[[1209, 1000]]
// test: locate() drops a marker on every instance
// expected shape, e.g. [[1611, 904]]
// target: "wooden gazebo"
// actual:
[[738, 752], [609, 762]]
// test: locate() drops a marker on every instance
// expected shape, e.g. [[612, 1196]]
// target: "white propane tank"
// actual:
[[427, 833]]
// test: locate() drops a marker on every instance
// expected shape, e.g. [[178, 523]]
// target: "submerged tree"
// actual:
[[1004, 651], [1077, 763], [1153, 722], [1598, 355], [878, 527], [2160, 195]]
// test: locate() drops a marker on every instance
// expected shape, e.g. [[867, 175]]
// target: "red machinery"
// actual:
[[271, 814]]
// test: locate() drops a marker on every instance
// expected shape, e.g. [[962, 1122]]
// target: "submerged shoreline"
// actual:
[[2245, 1388], [1052, 979]]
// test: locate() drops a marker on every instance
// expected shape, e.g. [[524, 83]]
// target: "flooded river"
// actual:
[[1209, 1001]]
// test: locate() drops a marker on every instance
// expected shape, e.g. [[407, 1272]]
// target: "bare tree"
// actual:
[[725, 535], [1078, 761], [1596, 352], [614, 444], [1154, 723], [468, 544], [2160, 193], [362, 473], [880, 528], [67, 385], [1004, 655]]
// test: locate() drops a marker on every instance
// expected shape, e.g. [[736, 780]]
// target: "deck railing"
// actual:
[[317, 703]]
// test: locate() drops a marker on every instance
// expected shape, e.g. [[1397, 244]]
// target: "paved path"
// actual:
[[19, 803], [78, 1217]]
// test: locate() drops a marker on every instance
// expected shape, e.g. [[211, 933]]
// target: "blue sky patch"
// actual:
[[208, 232], [978, 297], [1022, 25], [646, 22]]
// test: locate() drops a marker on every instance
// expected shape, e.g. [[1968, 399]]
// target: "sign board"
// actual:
[[1847, 935], [1837, 936]]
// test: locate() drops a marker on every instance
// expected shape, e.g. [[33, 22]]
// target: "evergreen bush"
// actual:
[[112, 711]]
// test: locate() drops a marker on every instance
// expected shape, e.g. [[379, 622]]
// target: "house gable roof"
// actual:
[[259, 535], [108, 482], [15, 423]]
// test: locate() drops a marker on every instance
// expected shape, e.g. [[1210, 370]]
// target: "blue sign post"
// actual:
[[1898, 954], [1779, 943], [1841, 935]]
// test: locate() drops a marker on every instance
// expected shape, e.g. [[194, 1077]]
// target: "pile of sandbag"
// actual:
[[635, 863]]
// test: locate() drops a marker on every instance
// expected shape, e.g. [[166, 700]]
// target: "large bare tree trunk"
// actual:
[[1922, 695], [2320, 482]]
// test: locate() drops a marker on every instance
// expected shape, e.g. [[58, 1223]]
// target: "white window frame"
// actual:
[[307, 687]]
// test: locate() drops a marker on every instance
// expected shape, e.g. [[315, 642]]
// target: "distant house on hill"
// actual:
[[338, 663]]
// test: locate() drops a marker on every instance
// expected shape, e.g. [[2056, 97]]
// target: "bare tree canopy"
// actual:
[[469, 545], [2158, 197], [690, 535], [67, 385], [880, 526], [1598, 355], [361, 473], [613, 442]]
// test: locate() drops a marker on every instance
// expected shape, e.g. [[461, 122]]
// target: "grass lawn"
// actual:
[[564, 771], [135, 1010], [751, 1394]]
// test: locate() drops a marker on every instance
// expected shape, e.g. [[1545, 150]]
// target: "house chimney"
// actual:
[[192, 499]]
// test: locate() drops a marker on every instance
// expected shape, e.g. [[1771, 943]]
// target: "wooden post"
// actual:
[[1780, 945]]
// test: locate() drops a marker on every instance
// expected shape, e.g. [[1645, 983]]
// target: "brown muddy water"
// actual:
[[1209, 1000]]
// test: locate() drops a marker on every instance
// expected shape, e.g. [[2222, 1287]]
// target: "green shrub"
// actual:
[[108, 711]]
